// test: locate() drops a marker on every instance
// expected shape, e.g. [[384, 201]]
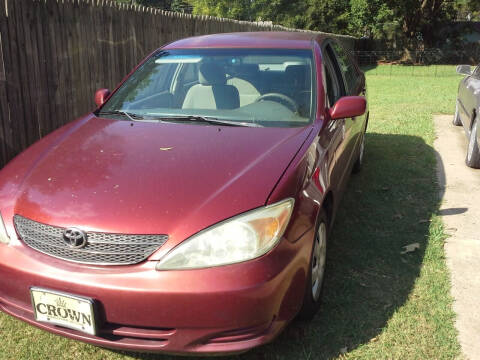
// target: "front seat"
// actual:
[[212, 92], [243, 80]]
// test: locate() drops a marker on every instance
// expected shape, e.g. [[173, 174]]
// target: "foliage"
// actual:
[[327, 15], [419, 19], [289, 13], [413, 21], [371, 18], [234, 9], [468, 9]]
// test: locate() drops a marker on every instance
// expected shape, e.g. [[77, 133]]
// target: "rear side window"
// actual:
[[349, 70]]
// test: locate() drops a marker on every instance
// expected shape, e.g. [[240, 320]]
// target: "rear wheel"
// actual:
[[316, 274], [473, 152], [456, 118]]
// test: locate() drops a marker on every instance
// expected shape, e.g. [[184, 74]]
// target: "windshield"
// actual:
[[263, 87]]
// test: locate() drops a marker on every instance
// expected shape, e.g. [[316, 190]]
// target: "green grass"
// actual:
[[378, 304], [412, 71]]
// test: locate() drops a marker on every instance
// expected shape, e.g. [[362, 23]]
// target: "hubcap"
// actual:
[[318, 260]]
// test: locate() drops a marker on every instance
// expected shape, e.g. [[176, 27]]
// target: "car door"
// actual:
[[354, 86], [335, 90], [467, 98], [472, 97], [476, 75]]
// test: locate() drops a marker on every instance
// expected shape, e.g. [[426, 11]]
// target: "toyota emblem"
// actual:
[[75, 238]]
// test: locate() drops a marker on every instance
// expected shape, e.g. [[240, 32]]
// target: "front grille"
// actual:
[[101, 248]]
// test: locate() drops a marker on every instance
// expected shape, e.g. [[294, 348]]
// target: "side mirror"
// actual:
[[464, 70], [101, 95], [348, 107]]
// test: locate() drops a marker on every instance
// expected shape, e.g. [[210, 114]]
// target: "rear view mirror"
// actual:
[[101, 96], [348, 107], [464, 70]]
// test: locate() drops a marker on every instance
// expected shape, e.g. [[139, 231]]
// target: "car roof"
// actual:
[[260, 39]]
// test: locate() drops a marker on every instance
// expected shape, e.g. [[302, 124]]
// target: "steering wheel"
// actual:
[[283, 99]]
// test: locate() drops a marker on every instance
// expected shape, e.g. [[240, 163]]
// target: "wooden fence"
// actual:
[[54, 54]]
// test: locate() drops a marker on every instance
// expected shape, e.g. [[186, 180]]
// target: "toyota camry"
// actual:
[[190, 212]]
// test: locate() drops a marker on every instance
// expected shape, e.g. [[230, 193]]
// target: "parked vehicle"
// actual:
[[467, 111], [190, 212]]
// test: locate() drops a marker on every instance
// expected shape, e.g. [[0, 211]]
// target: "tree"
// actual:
[[379, 19], [370, 18], [181, 6], [233, 9], [468, 9], [422, 17], [327, 15], [290, 13]]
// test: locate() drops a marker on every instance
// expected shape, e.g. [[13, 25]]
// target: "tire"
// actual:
[[316, 273], [473, 152], [357, 166], [456, 118]]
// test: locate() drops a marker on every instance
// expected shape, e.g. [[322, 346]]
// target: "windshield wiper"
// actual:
[[204, 119], [131, 116]]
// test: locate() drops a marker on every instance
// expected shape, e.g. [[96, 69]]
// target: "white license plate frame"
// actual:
[[63, 309]]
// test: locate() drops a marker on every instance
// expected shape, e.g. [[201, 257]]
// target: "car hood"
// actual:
[[151, 178]]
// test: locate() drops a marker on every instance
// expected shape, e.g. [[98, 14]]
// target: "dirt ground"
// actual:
[[460, 210]]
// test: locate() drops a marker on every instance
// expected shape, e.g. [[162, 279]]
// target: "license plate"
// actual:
[[70, 311]]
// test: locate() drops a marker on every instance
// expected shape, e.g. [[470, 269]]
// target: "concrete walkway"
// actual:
[[460, 210]]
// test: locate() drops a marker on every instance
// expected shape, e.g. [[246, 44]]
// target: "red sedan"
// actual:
[[190, 212]]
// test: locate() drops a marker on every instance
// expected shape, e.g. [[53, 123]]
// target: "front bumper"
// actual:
[[217, 310]]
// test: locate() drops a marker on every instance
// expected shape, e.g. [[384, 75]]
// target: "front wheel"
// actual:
[[456, 118], [316, 273], [473, 152]]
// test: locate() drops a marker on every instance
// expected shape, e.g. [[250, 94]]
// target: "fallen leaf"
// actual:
[[410, 248], [423, 221], [343, 350], [398, 216]]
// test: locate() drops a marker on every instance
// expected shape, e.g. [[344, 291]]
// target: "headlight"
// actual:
[[243, 237], [3, 232]]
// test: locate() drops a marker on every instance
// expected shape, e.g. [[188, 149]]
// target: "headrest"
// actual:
[[211, 74], [296, 72], [247, 69]]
